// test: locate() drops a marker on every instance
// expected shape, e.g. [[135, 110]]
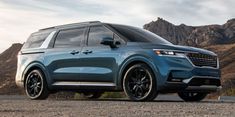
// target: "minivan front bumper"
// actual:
[[176, 74], [194, 84]]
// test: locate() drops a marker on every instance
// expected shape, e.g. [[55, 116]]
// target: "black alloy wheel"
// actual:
[[35, 85], [139, 83]]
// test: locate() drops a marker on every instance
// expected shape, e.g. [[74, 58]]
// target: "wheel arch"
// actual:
[[33, 66], [131, 61]]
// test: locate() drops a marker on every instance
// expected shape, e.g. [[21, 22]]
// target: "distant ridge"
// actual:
[[198, 36]]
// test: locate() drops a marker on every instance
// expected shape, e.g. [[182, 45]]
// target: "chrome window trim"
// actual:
[[46, 42]]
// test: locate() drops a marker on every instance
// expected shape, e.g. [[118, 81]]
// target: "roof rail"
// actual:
[[72, 24], [47, 28]]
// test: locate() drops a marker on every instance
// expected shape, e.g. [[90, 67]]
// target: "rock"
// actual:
[[8, 65], [199, 36]]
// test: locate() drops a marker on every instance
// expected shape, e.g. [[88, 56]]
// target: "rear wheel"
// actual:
[[92, 95], [139, 83], [36, 86], [192, 96]]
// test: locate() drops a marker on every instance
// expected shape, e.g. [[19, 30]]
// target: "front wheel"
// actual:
[[139, 83], [192, 96], [36, 86]]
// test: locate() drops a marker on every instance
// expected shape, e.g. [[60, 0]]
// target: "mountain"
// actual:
[[198, 36], [8, 63]]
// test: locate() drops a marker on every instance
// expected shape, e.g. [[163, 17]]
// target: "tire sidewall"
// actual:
[[152, 84], [43, 84]]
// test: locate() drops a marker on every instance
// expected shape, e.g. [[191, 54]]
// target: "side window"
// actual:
[[35, 40], [97, 33], [69, 38]]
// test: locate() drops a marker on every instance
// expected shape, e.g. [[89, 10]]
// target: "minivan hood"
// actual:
[[177, 48]]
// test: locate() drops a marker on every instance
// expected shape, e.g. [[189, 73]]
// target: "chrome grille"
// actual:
[[203, 60]]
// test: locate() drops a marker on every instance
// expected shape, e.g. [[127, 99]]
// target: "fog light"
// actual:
[[176, 80]]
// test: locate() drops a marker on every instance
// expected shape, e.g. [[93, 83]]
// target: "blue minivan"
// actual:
[[94, 57]]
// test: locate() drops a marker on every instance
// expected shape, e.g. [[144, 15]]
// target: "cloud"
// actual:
[[19, 18]]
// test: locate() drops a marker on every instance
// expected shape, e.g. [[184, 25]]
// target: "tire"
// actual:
[[139, 83], [92, 95], [192, 96], [36, 85]]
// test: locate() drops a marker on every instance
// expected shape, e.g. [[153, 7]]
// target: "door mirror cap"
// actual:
[[108, 41]]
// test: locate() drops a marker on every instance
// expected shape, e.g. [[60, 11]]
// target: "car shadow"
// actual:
[[154, 101]]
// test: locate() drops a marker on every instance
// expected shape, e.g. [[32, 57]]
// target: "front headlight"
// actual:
[[169, 53]]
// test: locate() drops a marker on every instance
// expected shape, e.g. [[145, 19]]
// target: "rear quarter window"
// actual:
[[35, 40]]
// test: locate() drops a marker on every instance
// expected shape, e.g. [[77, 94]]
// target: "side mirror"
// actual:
[[108, 41]]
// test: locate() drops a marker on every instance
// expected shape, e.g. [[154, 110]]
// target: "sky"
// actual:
[[19, 18]]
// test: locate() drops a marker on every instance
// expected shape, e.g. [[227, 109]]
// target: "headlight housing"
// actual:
[[169, 53]]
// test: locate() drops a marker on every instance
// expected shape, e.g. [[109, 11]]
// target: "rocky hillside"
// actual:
[[8, 63], [226, 53], [199, 36]]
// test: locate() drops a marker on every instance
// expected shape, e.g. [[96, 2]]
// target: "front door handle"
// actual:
[[87, 52], [74, 52]]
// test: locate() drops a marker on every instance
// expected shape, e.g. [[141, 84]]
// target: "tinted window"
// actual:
[[97, 33], [134, 34], [35, 40], [70, 38]]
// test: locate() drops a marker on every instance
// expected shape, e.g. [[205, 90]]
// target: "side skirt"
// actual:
[[70, 85]]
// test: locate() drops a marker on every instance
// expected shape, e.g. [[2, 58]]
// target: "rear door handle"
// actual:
[[87, 52], [74, 52]]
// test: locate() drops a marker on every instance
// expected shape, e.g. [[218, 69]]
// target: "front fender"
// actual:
[[139, 58]]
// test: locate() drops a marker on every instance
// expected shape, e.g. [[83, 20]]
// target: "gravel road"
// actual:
[[19, 106]]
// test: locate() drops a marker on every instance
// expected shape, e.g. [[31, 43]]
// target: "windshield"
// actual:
[[134, 34]]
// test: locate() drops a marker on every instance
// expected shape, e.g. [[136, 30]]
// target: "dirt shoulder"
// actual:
[[112, 107]]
